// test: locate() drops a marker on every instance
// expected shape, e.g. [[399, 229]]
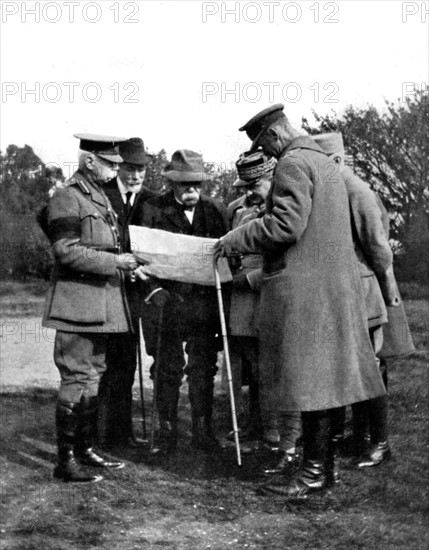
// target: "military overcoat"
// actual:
[[315, 348], [86, 292], [373, 252]]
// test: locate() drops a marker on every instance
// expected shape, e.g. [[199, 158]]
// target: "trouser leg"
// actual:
[[201, 370]]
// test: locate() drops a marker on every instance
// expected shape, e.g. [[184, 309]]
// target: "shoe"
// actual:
[[88, 457], [202, 435], [167, 439], [286, 462], [310, 478], [67, 469], [377, 454]]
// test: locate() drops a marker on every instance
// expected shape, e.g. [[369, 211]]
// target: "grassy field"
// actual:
[[195, 501]]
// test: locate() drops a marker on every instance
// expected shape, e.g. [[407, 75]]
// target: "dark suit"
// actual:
[[195, 320], [115, 396]]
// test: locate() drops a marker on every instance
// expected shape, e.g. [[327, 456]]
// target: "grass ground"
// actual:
[[195, 501]]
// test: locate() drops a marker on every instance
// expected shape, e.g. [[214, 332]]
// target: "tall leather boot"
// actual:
[[379, 450], [311, 476], [87, 425], [360, 430], [66, 419]]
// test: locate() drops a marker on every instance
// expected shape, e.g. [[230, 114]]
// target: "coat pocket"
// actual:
[[79, 301], [96, 231]]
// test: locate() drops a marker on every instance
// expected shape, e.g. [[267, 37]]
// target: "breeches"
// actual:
[[81, 360]]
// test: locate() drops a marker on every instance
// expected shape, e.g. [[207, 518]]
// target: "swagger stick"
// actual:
[[227, 360], [155, 379], [140, 365]]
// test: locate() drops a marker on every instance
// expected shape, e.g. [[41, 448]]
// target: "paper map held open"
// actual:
[[177, 257]]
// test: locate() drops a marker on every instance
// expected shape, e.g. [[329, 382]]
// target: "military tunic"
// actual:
[[86, 299]]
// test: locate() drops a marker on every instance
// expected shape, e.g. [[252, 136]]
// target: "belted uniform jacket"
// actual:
[[86, 292], [315, 351]]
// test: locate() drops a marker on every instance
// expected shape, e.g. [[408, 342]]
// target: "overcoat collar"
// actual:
[[302, 142]]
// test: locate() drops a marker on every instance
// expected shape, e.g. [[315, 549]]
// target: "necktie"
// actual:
[[128, 203]]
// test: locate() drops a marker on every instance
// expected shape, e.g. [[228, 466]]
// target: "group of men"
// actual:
[[312, 278]]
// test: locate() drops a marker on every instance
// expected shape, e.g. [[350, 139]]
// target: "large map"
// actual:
[[177, 257]]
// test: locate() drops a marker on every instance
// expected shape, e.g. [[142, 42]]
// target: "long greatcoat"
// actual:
[[373, 252], [397, 339], [315, 348], [86, 292]]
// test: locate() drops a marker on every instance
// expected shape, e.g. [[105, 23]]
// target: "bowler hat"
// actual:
[[185, 166], [330, 142], [255, 127], [251, 167], [133, 152], [106, 147]]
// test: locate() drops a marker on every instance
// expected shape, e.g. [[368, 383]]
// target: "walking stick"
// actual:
[[140, 366], [227, 359], [155, 378]]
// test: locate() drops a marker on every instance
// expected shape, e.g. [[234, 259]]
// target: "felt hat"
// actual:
[[133, 152], [185, 166]]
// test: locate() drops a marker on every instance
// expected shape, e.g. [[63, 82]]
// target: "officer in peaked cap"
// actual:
[[257, 125], [85, 300], [303, 292]]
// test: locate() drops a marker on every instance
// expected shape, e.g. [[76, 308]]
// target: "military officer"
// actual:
[[126, 192], [315, 350], [85, 301], [370, 230], [193, 318]]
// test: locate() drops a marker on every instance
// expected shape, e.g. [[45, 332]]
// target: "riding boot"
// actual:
[[379, 450], [311, 476], [84, 447], [360, 429], [66, 419]]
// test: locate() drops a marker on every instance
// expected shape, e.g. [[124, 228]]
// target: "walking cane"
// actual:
[[227, 359], [140, 366], [155, 379]]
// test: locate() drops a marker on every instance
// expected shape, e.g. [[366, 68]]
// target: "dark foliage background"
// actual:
[[390, 151]]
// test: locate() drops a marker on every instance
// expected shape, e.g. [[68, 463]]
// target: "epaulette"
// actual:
[[77, 181]]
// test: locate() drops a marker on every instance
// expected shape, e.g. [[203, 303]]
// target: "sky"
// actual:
[[188, 74]]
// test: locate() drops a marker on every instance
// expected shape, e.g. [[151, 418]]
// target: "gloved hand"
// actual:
[[241, 283]]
